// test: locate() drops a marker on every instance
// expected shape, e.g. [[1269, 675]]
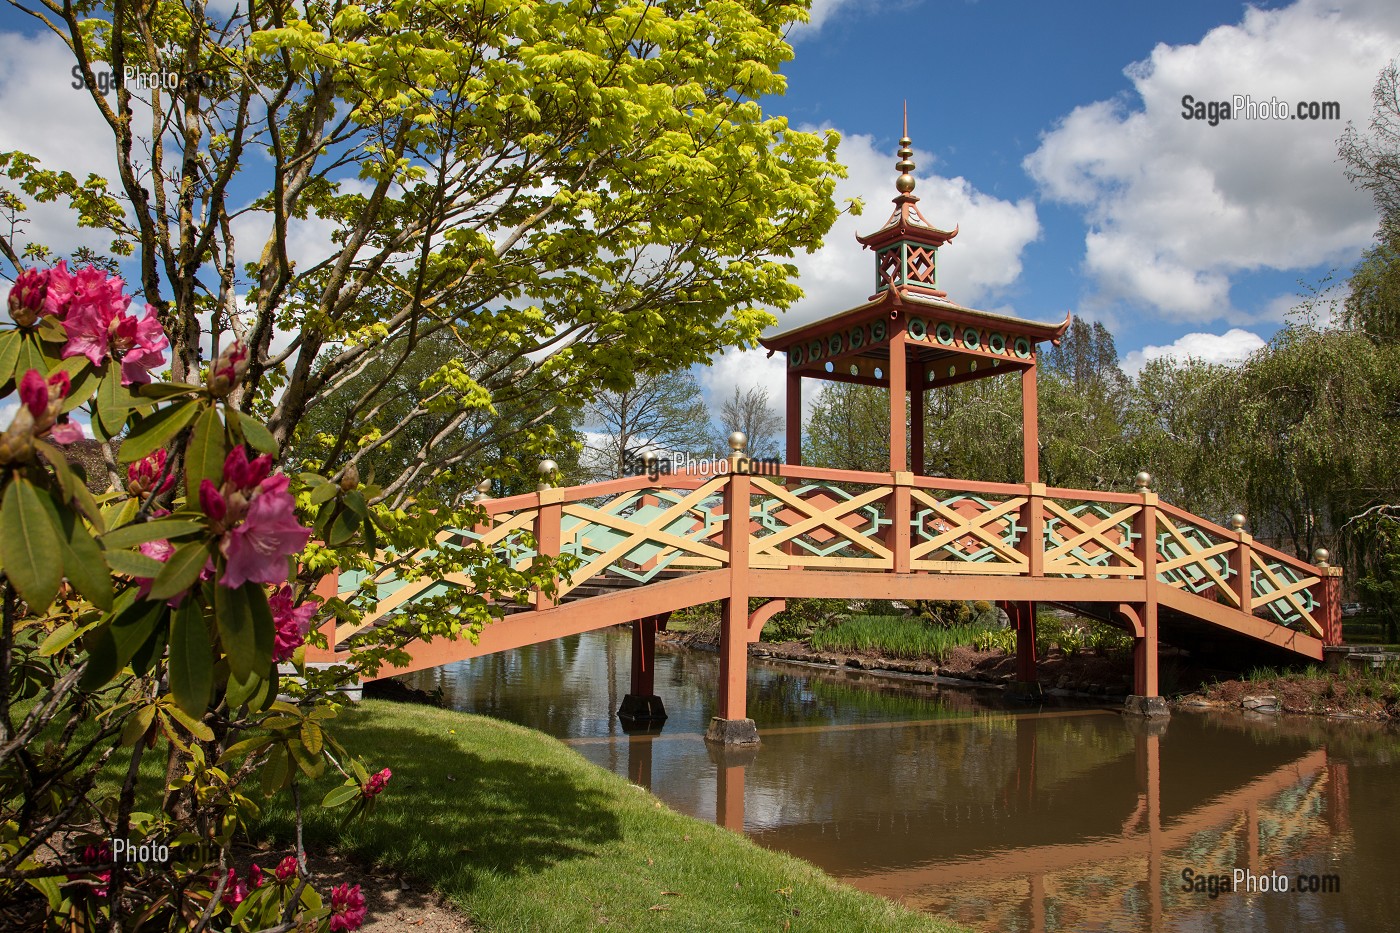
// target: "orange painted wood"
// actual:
[[916, 418], [793, 447], [644, 657], [547, 533], [1209, 610], [898, 381], [899, 528], [760, 616], [1030, 427], [734, 641], [1331, 610]]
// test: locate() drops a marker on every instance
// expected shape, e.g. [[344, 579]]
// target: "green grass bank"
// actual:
[[521, 833]]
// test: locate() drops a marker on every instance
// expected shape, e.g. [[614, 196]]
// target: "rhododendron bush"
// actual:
[[151, 620]]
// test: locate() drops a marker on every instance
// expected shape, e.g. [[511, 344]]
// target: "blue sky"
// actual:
[[1051, 133]]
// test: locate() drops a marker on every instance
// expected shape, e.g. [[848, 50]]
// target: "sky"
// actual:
[[1052, 134]]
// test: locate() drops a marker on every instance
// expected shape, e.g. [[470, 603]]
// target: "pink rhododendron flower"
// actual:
[[377, 783], [40, 415], [293, 622], [256, 517], [255, 876], [143, 475], [258, 549], [94, 314], [347, 907], [235, 889], [286, 869], [34, 392], [228, 370]]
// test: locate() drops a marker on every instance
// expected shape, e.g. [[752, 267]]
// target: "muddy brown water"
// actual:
[[1003, 817]]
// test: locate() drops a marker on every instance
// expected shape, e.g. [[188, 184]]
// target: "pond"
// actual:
[[1000, 816]]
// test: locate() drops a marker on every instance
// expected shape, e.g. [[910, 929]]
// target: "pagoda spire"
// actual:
[[906, 246]]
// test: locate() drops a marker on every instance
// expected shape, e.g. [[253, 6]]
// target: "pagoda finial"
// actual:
[[905, 182]]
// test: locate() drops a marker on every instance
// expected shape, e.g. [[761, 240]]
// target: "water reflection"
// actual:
[[1000, 817]]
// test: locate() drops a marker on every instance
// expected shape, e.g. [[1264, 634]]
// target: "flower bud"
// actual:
[[27, 297], [228, 370], [350, 479]]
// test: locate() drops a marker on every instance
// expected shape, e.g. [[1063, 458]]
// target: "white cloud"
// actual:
[[1230, 347], [819, 12], [744, 369], [1176, 206], [60, 126], [983, 260]]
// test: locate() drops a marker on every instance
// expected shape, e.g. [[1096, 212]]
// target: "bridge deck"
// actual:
[[835, 533]]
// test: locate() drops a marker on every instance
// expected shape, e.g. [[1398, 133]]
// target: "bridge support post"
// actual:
[[732, 726], [793, 452], [641, 704], [1026, 675]]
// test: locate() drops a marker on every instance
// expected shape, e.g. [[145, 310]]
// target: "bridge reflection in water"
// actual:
[[989, 861], [1000, 817]]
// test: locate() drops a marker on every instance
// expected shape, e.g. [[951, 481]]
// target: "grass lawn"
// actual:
[[522, 833]]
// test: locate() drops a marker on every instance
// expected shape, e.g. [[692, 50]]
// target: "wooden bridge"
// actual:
[[765, 532], [649, 547]]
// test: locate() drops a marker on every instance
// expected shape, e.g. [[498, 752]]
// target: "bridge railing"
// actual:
[[811, 518]]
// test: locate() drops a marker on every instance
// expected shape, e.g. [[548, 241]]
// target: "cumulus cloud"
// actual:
[[1232, 346], [976, 267], [1176, 206], [57, 124]]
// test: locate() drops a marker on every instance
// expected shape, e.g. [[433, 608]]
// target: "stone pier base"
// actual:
[[1024, 690], [638, 707], [732, 732], [1149, 707]]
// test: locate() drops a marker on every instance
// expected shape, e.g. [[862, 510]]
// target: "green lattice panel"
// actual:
[[822, 542], [929, 525]]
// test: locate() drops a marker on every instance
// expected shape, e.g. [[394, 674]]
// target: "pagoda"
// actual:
[[909, 337]]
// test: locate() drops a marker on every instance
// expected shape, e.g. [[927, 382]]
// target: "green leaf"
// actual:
[[165, 390], [73, 486], [57, 640], [137, 724], [82, 559], [9, 356], [355, 502], [311, 737], [83, 379], [340, 795], [343, 528], [114, 400], [30, 356], [143, 661], [276, 771], [154, 431], [257, 434], [245, 628], [242, 689], [191, 659], [31, 548], [246, 748], [180, 572], [129, 536], [192, 725], [111, 646], [133, 564], [324, 493], [204, 458]]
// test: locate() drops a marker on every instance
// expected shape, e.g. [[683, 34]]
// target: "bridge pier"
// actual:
[[1147, 698], [641, 704], [733, 726]]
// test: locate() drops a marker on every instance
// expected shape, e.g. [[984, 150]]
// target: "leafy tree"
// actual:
[[753, 413], [660, 412], [849, 428], [575, 192]]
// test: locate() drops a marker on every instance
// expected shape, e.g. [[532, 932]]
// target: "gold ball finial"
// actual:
[[547, 469], [1321, 556], [905, 182], [737, 440], [1143, 481], [648, 456], [483, 489], [1237, 521]]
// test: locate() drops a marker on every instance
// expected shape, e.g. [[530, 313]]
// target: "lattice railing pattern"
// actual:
[[1193, 559], [954, 530], [819, 525], [638, 534], [1284, 593], [1090, 539]]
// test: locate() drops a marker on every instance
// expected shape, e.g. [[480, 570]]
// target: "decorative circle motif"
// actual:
[[931, 375], [795, 356], [971, 339], [879, 373], [814, 351], [1023, 348], [855, 370], [952, 371], [918, 328], [857, 338], [834, 343], [972, 367], [997, 343], [830, 368], [877, 331], [944, 333]]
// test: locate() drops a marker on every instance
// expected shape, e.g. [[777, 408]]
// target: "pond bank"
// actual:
[[516, 831]]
